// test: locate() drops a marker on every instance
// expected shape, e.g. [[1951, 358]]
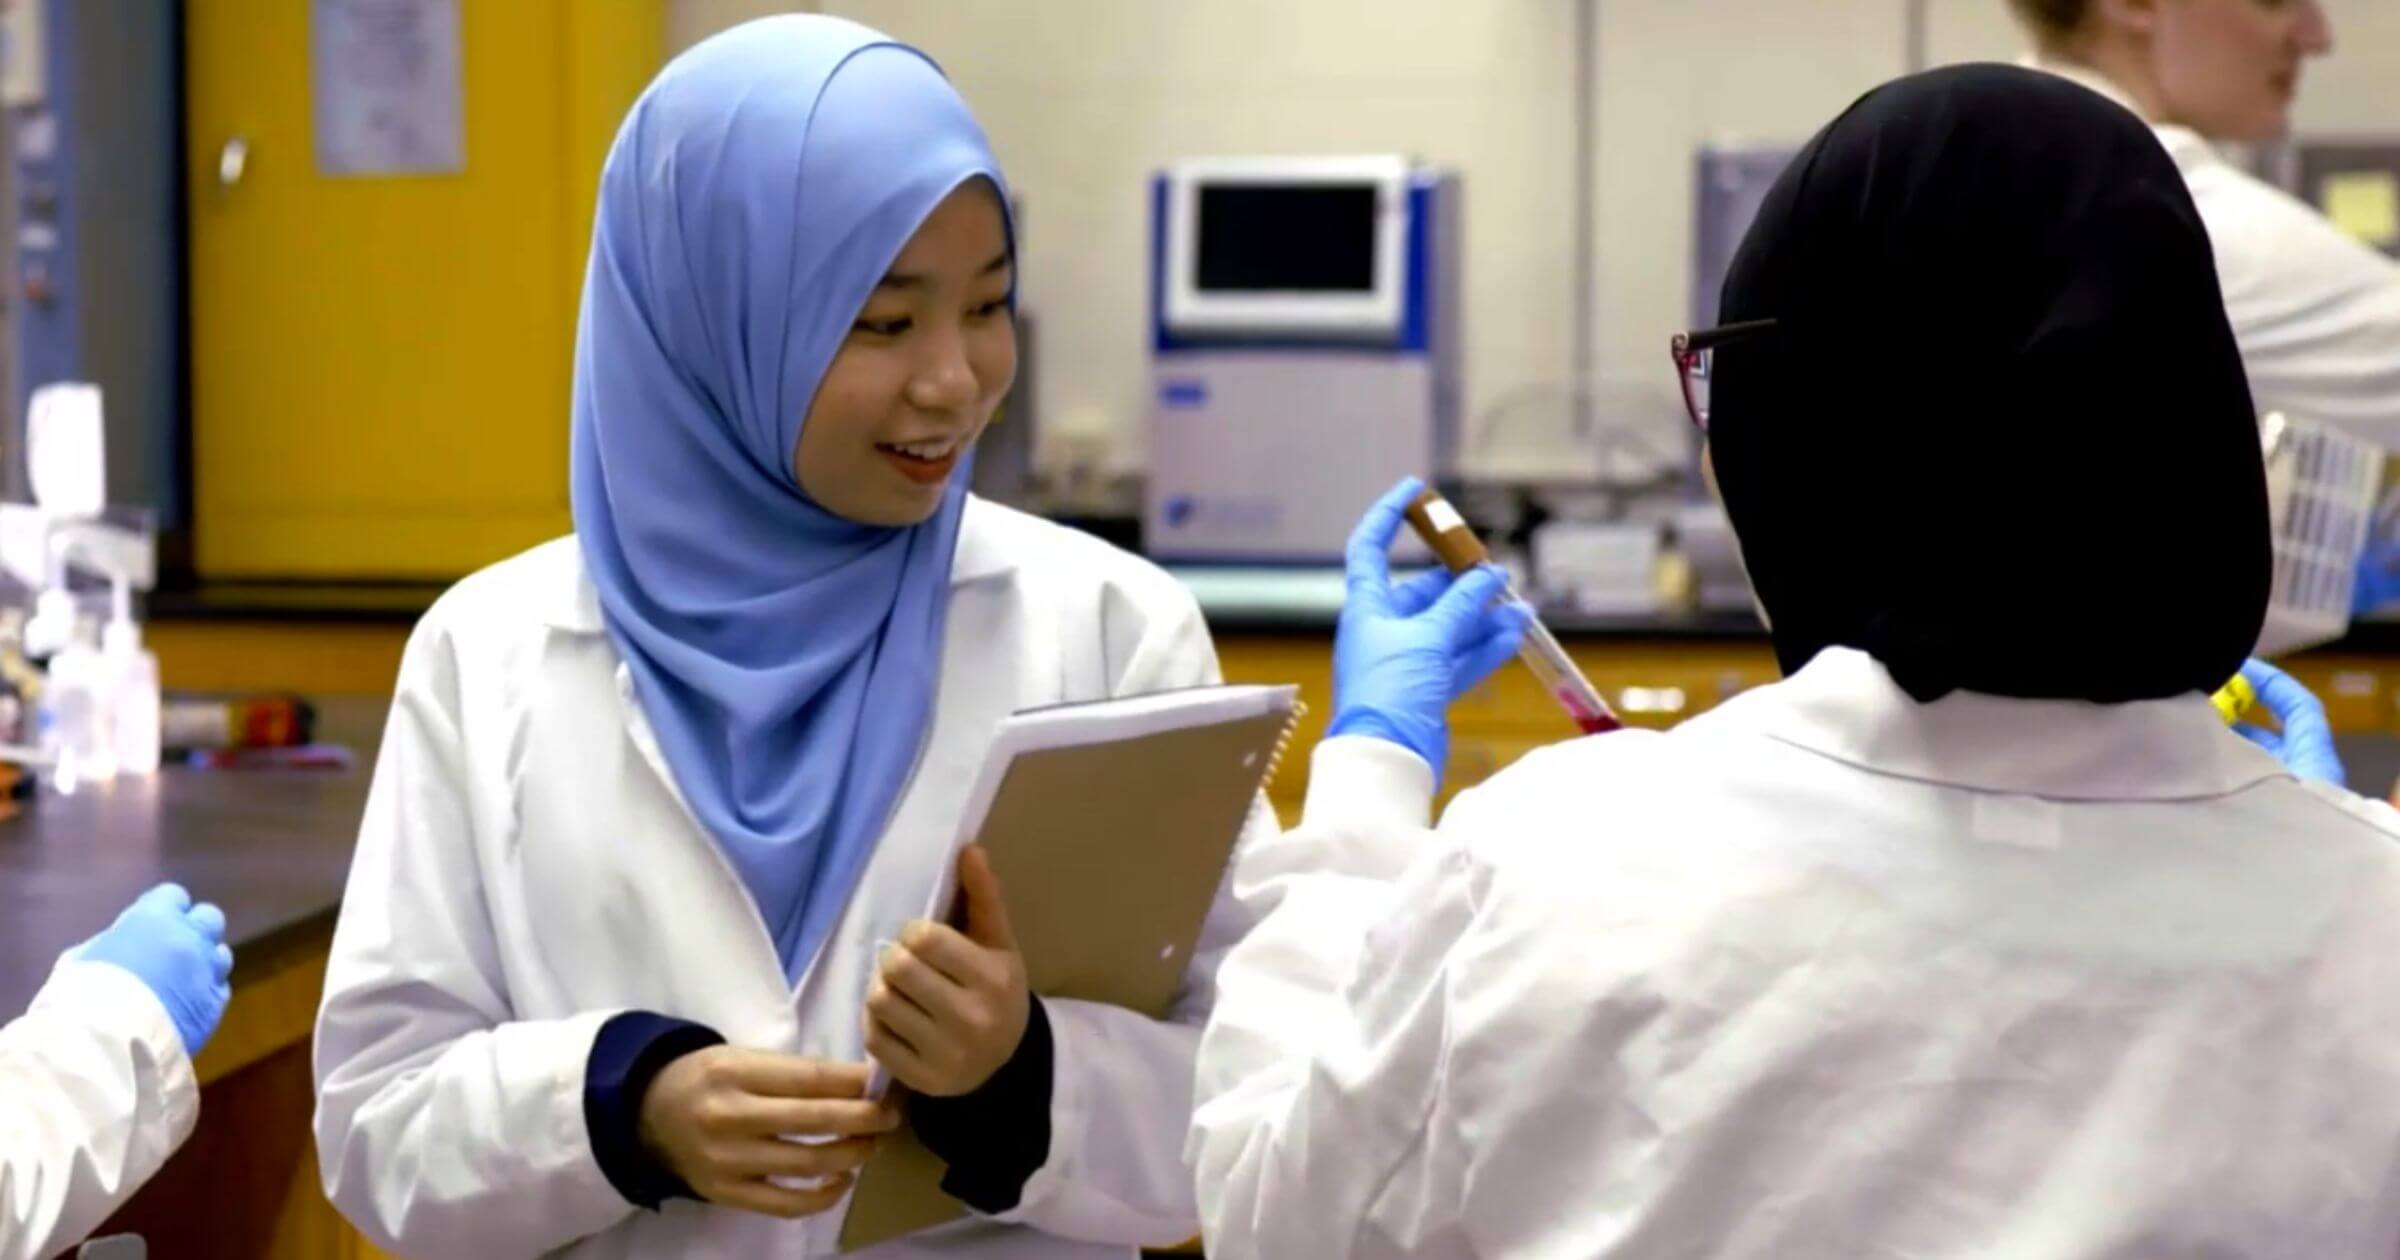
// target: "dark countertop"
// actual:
[[397, 603], [403, 603], [271, 847]]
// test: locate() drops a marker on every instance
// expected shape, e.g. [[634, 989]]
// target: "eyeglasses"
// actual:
[[1693, 350]]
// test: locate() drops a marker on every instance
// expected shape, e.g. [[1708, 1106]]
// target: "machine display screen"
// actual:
[[1286, 238]]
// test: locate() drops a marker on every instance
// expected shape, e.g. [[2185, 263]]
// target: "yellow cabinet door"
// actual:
[[380, 364]]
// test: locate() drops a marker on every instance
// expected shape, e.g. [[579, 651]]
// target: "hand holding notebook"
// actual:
[[948, 1004], [1109, 827]]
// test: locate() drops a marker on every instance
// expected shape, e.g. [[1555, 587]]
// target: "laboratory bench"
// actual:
[[273, 849], [1271, 625]]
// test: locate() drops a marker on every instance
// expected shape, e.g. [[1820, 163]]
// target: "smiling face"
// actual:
[[921, 372]]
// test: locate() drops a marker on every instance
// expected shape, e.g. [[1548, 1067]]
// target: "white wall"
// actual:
[[690, 21], [2356, 90], [1083, 98], [1676, 75]]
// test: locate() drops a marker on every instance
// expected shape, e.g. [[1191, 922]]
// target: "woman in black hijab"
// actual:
[[1979, 934], [1994, 431]]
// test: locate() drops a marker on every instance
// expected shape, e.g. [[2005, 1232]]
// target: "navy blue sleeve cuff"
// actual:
[[996, 1138], [629, 1053]]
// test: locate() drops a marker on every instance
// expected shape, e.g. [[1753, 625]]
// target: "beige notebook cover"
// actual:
[[1110, 825]]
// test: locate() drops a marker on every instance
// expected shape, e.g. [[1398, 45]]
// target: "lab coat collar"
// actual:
[[1844, 705], [573, 603]]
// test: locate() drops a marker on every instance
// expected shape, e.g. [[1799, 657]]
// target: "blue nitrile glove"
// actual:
[[1404, 653], [179, 950], [2305, 744]]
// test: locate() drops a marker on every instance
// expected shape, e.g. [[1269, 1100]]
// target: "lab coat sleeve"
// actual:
[[2316, 313], [95, 1092], [445, 1126], [1319, 1076], [1121, 1084]]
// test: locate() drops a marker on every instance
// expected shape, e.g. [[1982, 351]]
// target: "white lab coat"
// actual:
[[1823, 973], [95, 1092], [526, 869], [2315, 312]]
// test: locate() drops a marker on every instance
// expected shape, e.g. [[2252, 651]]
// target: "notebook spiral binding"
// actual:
[[1283, 744]]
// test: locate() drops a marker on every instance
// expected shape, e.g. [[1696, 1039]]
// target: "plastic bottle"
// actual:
[[132, 672], [75, 716]]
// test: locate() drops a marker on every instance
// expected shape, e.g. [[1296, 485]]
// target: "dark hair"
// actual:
[[2052, 21]]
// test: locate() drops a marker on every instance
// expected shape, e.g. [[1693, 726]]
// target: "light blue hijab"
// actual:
[[759, 189]]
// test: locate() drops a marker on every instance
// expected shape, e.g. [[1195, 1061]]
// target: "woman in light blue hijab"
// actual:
[[756, 616], [674, 789]]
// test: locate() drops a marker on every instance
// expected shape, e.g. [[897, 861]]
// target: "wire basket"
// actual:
[[2321, 485]]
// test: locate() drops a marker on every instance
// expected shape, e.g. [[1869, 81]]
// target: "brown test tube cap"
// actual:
[[1446, 532]]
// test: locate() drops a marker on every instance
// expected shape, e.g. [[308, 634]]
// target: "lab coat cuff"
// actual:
[[541, 1066], [996, 1137], [627, 1055], [119, 1008], [1067, 1027], [1358, 783]]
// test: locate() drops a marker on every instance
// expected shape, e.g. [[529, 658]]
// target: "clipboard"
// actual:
[[1111, 825]]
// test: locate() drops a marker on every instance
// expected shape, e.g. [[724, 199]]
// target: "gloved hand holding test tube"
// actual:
[[1459, 550]]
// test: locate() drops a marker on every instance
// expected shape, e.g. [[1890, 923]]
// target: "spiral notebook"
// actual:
[[1111, 825]]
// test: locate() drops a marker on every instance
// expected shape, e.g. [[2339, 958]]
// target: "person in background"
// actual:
[[96, 1084], [2315, 311], [638, 892], [1978, 933]]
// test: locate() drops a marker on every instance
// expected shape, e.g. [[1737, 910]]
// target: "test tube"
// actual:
[[1446, 532]]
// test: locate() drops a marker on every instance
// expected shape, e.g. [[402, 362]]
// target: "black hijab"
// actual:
[[2000, 438]]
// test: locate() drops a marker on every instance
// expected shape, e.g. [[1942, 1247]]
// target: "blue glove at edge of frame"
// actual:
[[2304, 744]]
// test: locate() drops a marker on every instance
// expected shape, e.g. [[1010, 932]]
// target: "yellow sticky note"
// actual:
[[2366, 204]]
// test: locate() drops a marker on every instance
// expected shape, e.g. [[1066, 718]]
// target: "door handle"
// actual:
[[232, 161]]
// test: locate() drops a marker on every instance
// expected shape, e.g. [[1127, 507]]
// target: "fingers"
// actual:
[[900, 1059], [1464, 609], [2300, 712], [769, 1199], [2262, 737], [789, 1076], [897, 1013], [1367, 560], [1496, 649], [778, 1157], [2297, 710], [2304, 722], [929, 951], [222, 963], [1418, 593], [171, 897], [209, 919], [754, 1116], [987, 907], [2279, 691]]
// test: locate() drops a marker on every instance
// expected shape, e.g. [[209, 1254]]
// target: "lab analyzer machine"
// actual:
[[1304, 350]]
